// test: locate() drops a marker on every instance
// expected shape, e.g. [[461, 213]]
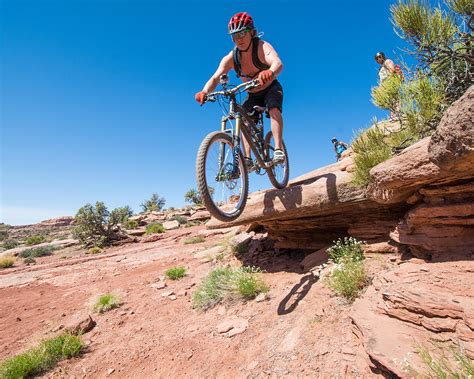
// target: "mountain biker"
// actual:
[[253, 58], [339, 147]]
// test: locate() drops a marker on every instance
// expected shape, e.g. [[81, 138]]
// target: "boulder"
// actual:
[[171, 225], [80, 324], [201, 215], [136, 232], [408, 307], [452, 144]]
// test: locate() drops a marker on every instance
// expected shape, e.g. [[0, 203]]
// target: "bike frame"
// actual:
[[242, 120]]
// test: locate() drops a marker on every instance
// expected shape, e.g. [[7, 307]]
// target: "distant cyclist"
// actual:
[[339, 147], [253, 58]]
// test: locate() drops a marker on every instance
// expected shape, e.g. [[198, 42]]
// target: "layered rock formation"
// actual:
[[422, 198], [422, 201]]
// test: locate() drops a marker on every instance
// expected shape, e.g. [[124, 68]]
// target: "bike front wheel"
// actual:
[[223, 186], [279, 173]]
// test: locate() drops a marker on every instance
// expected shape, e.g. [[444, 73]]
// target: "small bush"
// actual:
[[175, 273], [347, 247], [106, 303], [191, 240], [10, 244], [94, 250], [441, 364], [29, 261], [131, 224], [36, 252], [34, 240], [154, 228], [41, 358], [227, 284], [348, 278], [6, 261], [249, 284], [370, 149]]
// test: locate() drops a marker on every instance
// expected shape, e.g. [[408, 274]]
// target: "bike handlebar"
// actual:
[[211, 97]]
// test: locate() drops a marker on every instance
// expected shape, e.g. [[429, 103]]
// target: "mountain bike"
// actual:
[[221, 171]]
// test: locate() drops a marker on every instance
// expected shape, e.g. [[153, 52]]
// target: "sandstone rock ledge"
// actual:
[[407, 308], [421, 200]]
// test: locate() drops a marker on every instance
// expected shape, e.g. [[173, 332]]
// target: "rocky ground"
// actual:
[[301, 329]]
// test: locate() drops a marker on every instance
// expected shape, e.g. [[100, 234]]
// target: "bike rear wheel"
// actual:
[[279, 173], [223, 189]]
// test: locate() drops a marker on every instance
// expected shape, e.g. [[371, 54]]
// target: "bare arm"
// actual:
[[271, 58], [224, 67]]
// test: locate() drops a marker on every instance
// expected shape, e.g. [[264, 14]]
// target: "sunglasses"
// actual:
[[239, 35]]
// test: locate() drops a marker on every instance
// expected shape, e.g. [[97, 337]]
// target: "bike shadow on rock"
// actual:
[[292, 196], [296, 294]]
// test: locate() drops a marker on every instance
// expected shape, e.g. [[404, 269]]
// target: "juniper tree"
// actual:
[[441, 40], [95, 225], [155, 203], [194, 197]]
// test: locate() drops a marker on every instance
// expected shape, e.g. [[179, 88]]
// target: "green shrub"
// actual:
[[196, 239], [36, 252], [349, 275], [228, 284], [96, 226], [175, 273], [6, 261], [155, 203], [94, 250], [347, 247], [10, 244], [154, 228], [349, 278], [131, 224], [249, 283], [41, 358], [441, 364], [34, 240], [440, 39], [387, 95], [370, 149], [106, 303]]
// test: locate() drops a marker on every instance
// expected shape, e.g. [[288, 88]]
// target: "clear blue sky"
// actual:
[[97, 96]]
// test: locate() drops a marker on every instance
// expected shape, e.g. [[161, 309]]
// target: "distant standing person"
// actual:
[[387, 67], [339, 147]]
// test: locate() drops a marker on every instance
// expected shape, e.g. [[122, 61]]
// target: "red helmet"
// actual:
[[239, 22]]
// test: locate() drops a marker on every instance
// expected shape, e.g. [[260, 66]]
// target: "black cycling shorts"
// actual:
[[271, 97]]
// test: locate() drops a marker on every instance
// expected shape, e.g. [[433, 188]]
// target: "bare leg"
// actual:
[[277, 127], [245, 146]]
